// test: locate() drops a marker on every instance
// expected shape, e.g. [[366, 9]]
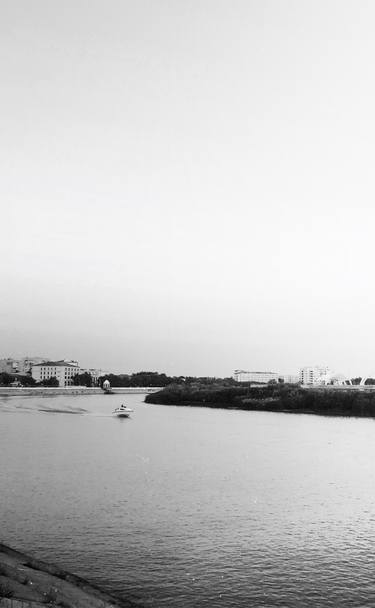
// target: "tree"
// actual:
[[5, 379], [84, 379], [26, 380], [137, 379], [53, 381]]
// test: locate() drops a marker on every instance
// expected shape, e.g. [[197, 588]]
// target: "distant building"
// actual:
[[8, 366], [315, 375], [241, 375], [63, 370], [25, 364], [289, 378], [20, 366]]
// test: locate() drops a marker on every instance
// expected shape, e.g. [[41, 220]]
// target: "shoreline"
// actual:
[[12, 391], [272, 398], [309, 412], [26, 581]]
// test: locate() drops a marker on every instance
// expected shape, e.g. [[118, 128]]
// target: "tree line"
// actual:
[[137, 379], [271, 397], [156, 379]]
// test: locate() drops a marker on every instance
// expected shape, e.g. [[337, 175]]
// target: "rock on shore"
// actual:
[[29, 582]]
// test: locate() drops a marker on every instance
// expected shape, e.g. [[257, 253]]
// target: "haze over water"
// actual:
[[190, 507]]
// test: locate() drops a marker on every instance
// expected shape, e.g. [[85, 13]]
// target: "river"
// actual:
[[192, 507]]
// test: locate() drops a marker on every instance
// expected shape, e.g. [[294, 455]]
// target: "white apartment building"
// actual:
[[315, 375], [241, 375], [64, 371]]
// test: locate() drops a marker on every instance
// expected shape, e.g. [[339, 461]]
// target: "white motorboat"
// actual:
[[123, 411]]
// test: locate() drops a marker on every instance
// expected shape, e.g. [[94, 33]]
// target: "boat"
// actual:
[[123, 411]]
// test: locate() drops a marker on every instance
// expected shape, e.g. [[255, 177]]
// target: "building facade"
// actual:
[[8, 365], [290, 378], [241, 375], [26, 363], [19, 366], [64, 371], [316, 375]]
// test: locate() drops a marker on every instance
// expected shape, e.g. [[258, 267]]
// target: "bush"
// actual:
[[50, 382]]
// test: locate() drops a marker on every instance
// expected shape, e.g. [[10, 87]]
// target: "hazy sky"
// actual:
[[188, 186]]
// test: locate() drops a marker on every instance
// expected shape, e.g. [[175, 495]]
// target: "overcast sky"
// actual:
[[188, 186]]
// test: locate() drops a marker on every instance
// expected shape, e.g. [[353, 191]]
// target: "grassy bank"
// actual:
[[274, 398]]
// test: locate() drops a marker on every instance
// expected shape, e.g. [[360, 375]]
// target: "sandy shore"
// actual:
[[29, 582]]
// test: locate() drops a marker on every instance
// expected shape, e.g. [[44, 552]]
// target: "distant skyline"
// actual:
[[188, 187]]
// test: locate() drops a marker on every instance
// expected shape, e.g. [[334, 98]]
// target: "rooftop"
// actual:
[[56, 364]]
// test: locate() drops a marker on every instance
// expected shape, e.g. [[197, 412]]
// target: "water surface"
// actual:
[[191, 507]]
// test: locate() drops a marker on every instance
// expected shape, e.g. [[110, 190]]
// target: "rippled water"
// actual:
[[190, 507]]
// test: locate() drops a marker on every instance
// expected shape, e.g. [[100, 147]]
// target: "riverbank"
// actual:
[[10, 391], [273, 398], [26, 581]]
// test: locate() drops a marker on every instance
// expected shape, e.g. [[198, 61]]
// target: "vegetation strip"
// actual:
[[271, 397]]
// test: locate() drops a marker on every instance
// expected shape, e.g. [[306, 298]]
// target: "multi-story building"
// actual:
[[64, 371], [241, 375], [19, 366], [26, 363], [314, 375], [8, 365]]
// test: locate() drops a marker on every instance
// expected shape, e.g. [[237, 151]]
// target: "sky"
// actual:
[[188, 186]]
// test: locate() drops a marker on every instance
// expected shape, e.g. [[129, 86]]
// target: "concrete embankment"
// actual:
[[29, 582], [72, 390]]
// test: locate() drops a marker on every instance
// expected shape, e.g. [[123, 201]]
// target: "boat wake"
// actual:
[[33, 406], [78, 411]]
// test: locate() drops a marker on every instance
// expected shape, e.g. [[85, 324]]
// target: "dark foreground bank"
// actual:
[[29, 582], [272, 398]]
